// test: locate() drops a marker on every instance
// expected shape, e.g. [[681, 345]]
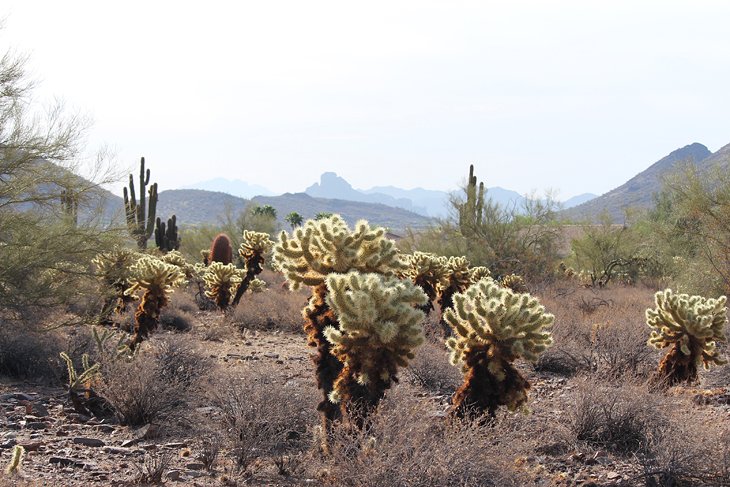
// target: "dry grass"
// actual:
[[432, 371], [158, 385], [273, 309]]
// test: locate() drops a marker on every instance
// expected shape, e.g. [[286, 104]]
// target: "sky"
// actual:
[[574, 96]]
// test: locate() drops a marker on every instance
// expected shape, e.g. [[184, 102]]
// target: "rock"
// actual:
[[17, 396], [66, 462], [116, 450], [78, 418], [612, 475], [32, 445], [147, 431], [128, 443], [194, 474], [92, 442], [105, 428], [173, 475], [195, 466], [37, 425], [8, 443], [175, 445], [271, 355]]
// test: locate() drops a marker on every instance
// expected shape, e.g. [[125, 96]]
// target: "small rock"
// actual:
[[16, 396], [194, 474], [8, 443], [92, 442], [66, 462], [173, 475], [195, 466], [78, 418], [105, 428], [612, 475], [116, 450], [128, 443], [32, 445], [37, 425], [175, 445], [271, 355]]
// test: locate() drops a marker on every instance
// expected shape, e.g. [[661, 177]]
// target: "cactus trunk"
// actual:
[[319, 316], [147, 315]]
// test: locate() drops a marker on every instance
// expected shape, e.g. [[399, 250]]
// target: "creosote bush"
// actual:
[[691, 326], [493, 326], [379, 329]]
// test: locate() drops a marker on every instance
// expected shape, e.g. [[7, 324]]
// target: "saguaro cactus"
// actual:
[[157, 279], [140, 217], [166, 236], [430, 272], [493, 326], [253, 249], [471, 210], [691, 326], [316, 250], [379, 329]]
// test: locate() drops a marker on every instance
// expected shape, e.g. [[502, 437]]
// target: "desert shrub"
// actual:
[[407, 443], [431, 370], [610, 341], [27, 354], [183, 300], [263, 416], [273, 309], [623, 419], [175, 319], [158, 385], [702, 457]]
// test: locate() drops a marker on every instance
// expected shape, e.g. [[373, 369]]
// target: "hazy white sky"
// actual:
[[573, 95]]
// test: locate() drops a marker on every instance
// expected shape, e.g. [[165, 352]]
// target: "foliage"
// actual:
[[294, 219], [44, 252], [691, 325], [493, 326], [379, 331]]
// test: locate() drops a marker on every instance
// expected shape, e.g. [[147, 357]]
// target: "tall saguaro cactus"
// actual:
[[166, 236], [140, 216], [470, 211]]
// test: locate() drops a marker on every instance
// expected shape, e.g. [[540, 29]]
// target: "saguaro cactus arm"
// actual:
[[140, 218]]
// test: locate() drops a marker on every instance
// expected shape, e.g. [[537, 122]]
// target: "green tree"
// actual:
[[294, 219], [44, 251]]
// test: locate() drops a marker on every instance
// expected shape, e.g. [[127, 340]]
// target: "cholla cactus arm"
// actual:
[[16, 460], [379, 331], [157, 279], [691, 325], [459, 279], [478, 273], [493, 326], [221, 282], [321, 247], [254, 249], [113, 268], [428, 271], [257, 286], [515, 282]]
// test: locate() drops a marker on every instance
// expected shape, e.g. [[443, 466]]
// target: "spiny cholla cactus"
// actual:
[[514, 282], [379, 329], [157, 279], [428, 271], [257, 286], [221, 282], [493, 326], [459, 279], [16, 460], [691, 325], [114, 270], [478, 273], [253, 249], [312, 252], [176, 258]]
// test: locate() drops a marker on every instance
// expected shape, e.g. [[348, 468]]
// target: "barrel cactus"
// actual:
[[157, 279], [307, 257], [221, 282], [253, 250], [379, 330], [493, 326], [691, 326]]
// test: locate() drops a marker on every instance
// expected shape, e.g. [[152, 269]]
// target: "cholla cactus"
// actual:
[[175, 258], [514, 282], [379, 329], [312, 252], [493, 326], [253, 249], [205, 254], [157, 279], [459, 280], [16, 460], [80, 391], [257, 286], [114, 270], [478, 273], [221, 282], [428, 271], [691, 325]]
